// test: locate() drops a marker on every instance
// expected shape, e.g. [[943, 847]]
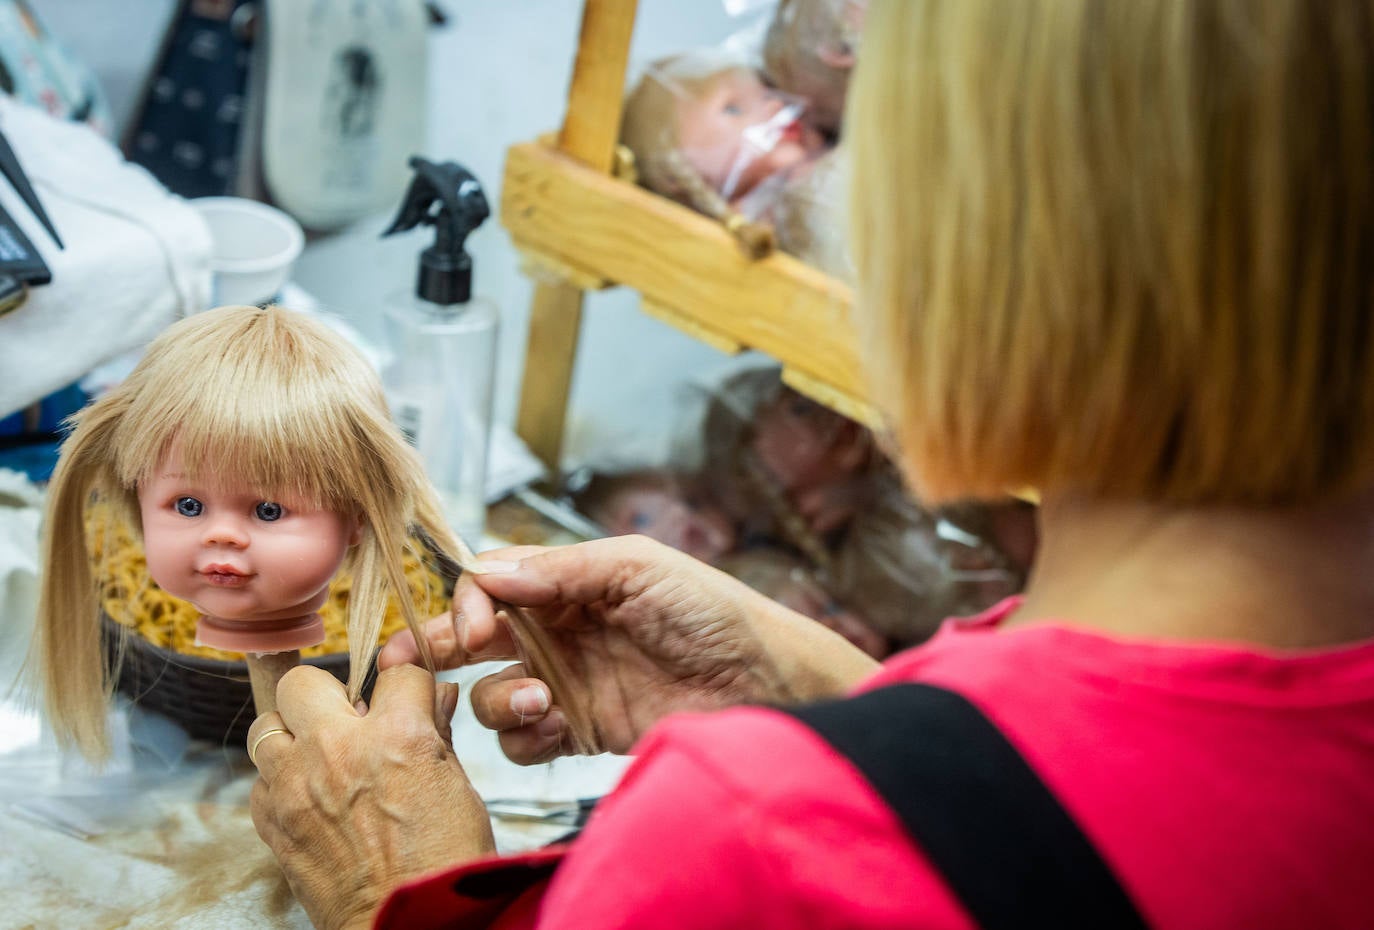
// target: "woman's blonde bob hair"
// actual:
[[1120, 248], [264, 397]]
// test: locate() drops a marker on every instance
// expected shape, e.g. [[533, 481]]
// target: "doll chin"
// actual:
[[260, 635]]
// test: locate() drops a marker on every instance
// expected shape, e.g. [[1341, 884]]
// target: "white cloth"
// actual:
[[137, 257]]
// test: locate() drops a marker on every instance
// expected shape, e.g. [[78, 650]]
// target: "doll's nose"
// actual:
[[225, 531]]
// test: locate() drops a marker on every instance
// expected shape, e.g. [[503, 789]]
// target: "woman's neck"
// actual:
[[1286, 579]]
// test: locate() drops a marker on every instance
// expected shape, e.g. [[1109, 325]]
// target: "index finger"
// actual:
[[469, 632], [309, 697]]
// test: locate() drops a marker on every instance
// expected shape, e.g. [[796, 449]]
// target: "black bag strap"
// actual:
[[1006, 847]]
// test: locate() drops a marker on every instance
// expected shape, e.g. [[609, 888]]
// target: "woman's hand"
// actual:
[[645, 630], [355, 804]]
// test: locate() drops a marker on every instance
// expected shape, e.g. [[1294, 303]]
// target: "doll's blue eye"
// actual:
[[734, 109], [189, 507], [268, 511]]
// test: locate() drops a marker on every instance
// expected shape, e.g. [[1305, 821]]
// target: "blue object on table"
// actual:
[[30, 438]]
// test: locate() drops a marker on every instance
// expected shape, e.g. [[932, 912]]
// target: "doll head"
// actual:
[[708, 132], [810, 50], [245, 436], [781, 463], [255, 563], [657, 504]]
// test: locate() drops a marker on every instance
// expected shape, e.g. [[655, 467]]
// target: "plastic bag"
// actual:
[[708, 132]]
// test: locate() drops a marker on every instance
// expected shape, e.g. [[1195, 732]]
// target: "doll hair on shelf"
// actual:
[[810, 50], [268, 398], [649, 129]]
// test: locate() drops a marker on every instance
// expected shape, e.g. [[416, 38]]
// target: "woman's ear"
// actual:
[[356, 536]]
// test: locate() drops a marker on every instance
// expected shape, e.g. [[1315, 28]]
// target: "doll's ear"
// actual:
[[853, 446], [838, 55]]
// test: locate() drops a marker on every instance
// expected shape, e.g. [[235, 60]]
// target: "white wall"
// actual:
[[499, 75]]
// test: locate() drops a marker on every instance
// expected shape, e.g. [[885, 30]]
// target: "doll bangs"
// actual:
[[271, 409]]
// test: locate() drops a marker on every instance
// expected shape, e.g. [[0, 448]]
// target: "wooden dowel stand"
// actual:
[[265, 669]]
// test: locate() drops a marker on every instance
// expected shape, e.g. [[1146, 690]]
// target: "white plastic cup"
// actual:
[[254, 248]]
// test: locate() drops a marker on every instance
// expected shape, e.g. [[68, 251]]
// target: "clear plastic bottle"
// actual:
[[443, 344], [439, 386]]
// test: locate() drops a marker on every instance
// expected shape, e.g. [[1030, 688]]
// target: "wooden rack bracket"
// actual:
[[694, 328], [837, 400], [681, 261]]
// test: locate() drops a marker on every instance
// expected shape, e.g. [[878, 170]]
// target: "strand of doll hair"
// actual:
[[534, 644], [756, 239]]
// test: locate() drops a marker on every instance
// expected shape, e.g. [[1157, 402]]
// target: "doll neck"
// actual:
[[260, 636]]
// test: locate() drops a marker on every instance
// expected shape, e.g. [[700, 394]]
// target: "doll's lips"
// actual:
[[792, 132], [225, 575]]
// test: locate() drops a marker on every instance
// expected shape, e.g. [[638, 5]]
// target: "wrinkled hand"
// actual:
[[354, 805], [646, 630]]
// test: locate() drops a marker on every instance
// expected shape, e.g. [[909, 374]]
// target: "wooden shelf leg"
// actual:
[[555, 323]]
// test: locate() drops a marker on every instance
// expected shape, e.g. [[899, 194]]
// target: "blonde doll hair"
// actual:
[[263, 396], [1120, 248], [649, 129]]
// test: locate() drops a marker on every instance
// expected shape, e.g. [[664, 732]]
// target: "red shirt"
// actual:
[[1225, 786]]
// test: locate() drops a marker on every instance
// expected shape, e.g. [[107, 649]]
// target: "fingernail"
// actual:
[[460, 629], [550, 727], [529, 701], [449, 704], [495, 567]]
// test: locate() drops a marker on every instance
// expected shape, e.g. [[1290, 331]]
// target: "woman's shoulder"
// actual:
[[751, 804]]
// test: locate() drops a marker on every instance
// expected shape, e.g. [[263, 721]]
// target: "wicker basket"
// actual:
[[210, 699]]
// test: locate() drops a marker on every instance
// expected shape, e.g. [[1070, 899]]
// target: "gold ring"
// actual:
[[254, 748]]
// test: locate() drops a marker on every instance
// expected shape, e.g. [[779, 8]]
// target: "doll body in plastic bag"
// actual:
[[792, 472]]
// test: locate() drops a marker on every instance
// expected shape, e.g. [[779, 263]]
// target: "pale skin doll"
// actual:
[[710, 133], [659, 505], [811, 49], [253, 450]]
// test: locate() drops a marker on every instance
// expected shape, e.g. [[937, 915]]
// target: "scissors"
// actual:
[[20, 263], [570, 813]]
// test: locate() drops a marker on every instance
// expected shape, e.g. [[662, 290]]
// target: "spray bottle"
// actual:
[[439, 382]]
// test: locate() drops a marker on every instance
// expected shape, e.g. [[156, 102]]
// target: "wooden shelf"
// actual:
[[599, 230], [581, 228]]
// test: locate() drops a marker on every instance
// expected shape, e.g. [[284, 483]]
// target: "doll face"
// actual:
[[736, 131], [237, 554], [704, 533]]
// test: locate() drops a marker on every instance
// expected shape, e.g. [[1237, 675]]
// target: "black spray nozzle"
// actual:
[[448, 197]]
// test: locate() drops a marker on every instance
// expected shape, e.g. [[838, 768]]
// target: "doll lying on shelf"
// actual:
[[798, 502], [657, 503], [663, 505], [793, 473], [707, 132]]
